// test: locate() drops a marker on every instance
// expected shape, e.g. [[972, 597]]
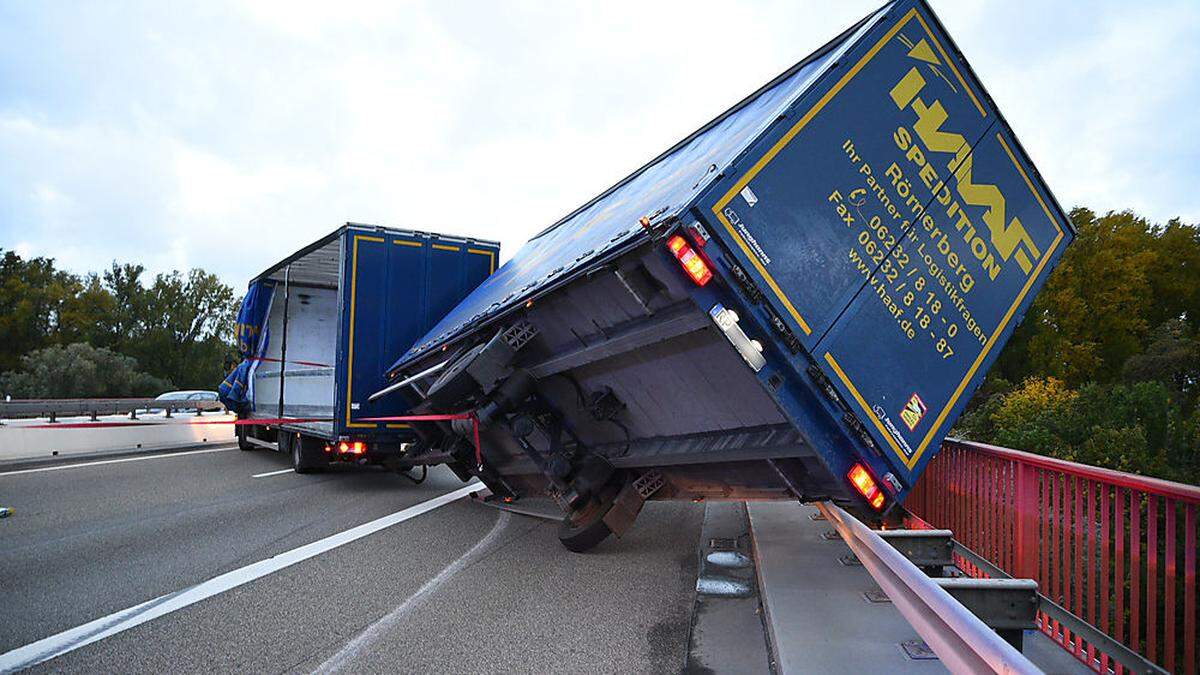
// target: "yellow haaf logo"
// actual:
[[913, 412], [1007, 236]]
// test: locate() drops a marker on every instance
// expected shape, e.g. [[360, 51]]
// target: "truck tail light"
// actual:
[[691, 261], [866, 486]]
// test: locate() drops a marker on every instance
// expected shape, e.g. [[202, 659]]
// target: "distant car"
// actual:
[[189, 395]]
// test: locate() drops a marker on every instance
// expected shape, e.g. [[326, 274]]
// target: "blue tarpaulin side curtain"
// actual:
[[237, 391]]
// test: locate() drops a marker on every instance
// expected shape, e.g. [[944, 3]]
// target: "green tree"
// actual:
[[32, 294], [1120, 279], [1175, 279], [1172, 358], [177, 327], [185, 327], [88, 315], [1091, 315]]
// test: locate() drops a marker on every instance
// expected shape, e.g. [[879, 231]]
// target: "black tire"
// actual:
[[302, 453], [584, 534], [243, 432]]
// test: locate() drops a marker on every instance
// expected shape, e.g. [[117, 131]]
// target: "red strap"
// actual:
[[478, 447]]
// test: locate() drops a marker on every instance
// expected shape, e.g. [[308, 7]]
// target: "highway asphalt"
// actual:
[[459, 588]]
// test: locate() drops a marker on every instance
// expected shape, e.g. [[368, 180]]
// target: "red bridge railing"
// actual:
[[1115, 549]]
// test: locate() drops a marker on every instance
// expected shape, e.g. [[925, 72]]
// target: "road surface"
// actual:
[[457, 587]]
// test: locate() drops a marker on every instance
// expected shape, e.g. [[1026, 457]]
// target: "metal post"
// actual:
[[1025, 560], [287, 282]]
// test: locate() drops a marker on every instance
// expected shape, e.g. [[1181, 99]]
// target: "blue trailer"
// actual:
[[795, 301], [318, 329]]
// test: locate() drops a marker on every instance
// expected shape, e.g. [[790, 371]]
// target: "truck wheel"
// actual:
[[302, 455], [585, 531], [243, 431]]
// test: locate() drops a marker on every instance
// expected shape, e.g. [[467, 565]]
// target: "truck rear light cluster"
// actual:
[[352, 447], [691, 261], [866, 486]]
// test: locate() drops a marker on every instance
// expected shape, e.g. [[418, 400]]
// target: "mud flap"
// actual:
[[629, 501]]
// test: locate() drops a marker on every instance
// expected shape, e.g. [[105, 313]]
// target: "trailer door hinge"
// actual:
[[860, 430], [789, 338], [753, 293], [826, 386]]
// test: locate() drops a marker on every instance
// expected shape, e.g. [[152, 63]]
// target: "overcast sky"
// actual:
[[224, 134]]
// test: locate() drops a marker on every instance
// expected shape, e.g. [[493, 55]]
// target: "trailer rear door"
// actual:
[[396, 285], [895, 224]]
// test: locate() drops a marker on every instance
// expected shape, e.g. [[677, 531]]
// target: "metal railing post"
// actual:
[[1025, 557]]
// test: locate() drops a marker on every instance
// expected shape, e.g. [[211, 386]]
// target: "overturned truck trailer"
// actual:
[[795, 301]]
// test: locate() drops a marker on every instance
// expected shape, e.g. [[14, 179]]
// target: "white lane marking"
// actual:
[[165, 455], [74, 638], [348, 654], [273, 473]]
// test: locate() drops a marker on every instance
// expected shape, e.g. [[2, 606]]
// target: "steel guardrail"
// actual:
[[94, 407], [960, 639]]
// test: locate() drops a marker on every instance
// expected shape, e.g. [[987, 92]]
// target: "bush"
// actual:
[[1136, 428], [79, 371], [1034, 416]]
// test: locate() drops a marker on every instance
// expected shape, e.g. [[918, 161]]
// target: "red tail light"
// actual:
[[358, 448], [866, 486], [691, 261]]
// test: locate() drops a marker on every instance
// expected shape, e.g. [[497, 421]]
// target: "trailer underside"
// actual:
[[614, 389]]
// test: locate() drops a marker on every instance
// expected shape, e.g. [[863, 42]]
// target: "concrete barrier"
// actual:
[[35, 439]]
